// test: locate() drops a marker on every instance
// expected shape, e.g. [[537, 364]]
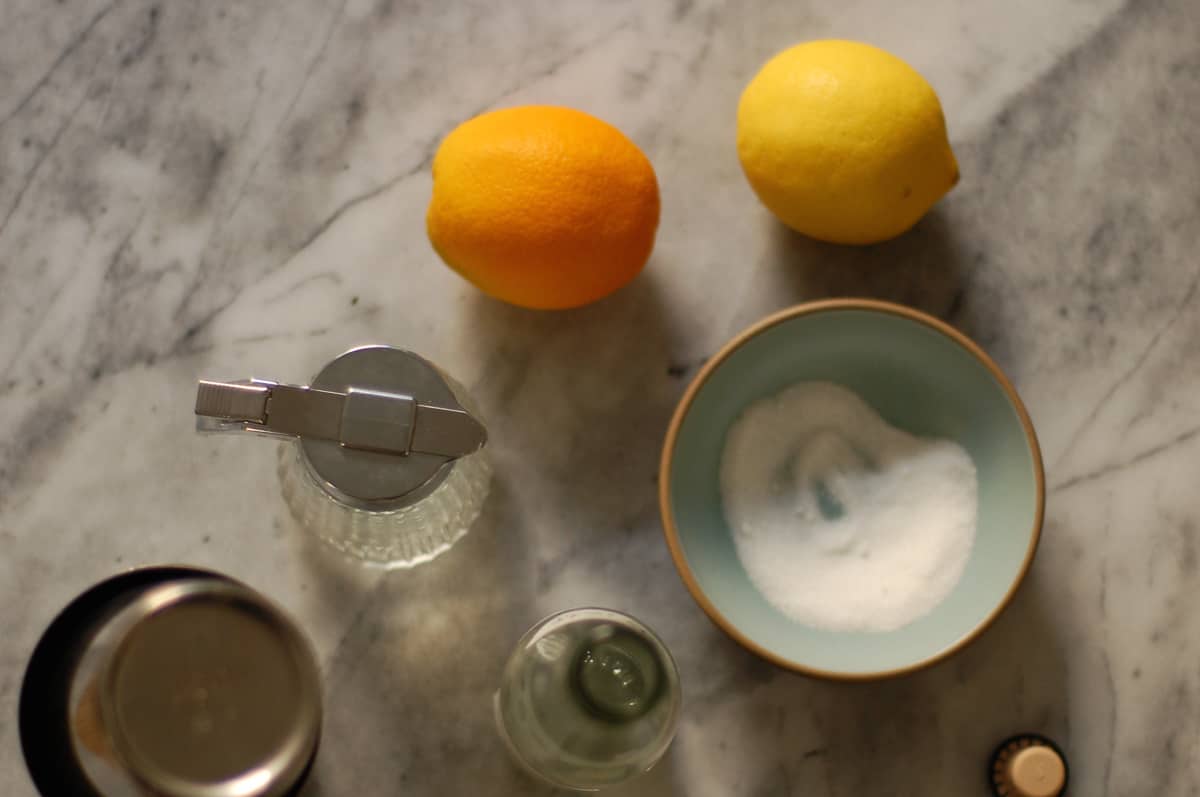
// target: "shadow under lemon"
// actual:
[[926, 268]]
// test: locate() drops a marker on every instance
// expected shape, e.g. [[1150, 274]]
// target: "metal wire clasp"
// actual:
[[363, 419]]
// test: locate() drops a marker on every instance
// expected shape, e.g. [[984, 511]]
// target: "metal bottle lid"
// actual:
[[174, 683], [379, 427]]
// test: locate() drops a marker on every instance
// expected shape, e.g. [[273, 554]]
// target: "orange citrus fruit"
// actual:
[[542, 207]]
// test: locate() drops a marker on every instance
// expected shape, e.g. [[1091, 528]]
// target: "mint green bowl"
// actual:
[[921, 375]]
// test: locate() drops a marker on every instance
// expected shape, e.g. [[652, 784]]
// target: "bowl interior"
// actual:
[[920, 380]]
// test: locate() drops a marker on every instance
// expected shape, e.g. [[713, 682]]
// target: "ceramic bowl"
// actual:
[[922, 376]]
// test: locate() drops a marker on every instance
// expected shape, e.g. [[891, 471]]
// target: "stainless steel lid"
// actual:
[[379, 427], [197, 688], [47, 725]]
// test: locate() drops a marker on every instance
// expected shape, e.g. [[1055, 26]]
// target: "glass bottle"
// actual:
[[384, 460], [589, 699]]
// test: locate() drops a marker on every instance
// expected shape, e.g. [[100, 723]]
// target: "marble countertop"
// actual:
[[224, 189]]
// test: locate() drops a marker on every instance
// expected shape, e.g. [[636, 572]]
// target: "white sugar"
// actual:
[[842, 521]]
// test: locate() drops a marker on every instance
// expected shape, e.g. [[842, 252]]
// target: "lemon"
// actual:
[[844, 142]]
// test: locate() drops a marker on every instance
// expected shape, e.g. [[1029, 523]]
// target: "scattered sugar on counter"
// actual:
[[842, 521]]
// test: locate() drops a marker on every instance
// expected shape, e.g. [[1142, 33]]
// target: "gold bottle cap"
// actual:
[[211, 692], [1037, 772], [1028, 766]]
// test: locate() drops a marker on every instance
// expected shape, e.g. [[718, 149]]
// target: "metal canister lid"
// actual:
[[191, 685], [210, 692], [379, 427]]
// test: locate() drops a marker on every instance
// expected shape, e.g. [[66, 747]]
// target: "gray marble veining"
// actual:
[[224, 188]]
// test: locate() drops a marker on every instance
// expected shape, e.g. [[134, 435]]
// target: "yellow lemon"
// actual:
[[844, 142]]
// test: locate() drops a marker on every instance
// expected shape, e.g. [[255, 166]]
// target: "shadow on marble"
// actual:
[[312, 786], [582, 396], [408, 690], [923, 268], [1012, 679], [661, 781]]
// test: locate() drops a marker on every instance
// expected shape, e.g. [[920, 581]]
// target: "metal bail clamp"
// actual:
[[360, 418]]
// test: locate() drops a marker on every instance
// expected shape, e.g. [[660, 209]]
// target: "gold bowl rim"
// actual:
[[671, 531]]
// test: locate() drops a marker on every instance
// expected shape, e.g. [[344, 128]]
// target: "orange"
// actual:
[[543, 207]]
